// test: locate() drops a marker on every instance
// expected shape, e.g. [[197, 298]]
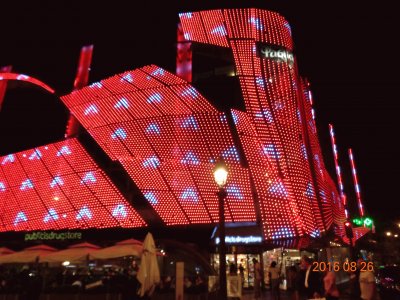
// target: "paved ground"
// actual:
[[266, 295]]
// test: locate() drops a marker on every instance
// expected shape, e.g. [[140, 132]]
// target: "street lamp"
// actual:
[[220, 176]]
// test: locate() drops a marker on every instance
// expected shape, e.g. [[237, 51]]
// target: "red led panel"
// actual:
[[193, 27], [163, 75], [172, 132], [271, 95], [215, 28], [141, 80], [59, 186], [167, 136]]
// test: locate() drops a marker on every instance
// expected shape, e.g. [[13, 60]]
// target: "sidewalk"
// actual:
[[266, 295]]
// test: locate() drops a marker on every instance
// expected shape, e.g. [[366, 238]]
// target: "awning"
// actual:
[[28, 255], [130, 247], [75, 253]]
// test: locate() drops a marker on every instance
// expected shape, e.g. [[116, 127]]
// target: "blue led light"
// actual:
[[64, 151], [158, 71], [310, 190], [186, 15], [9, 158], [231, 153], [96, 85], [190, 123], [288, 27], [57, 180], [315, 233], [190, 159], [52, 215], [153, 128], [266, 114], [22, 77], [271, 151], [119, 133], [21, 217], [91, 110], [311, 124], [88, 178], [190, 91], [190, 194], [260, 81], [219, 30], [35, 155], [122, 103], [151, 162], [234, 192], [151, 198], [27, 184], [84, 212], [304, 151], [257, 23], [322, 195], [154, 98], [279, 189], [283, 232], [128, 77], [119, 211], [2, 187], [235, 117]]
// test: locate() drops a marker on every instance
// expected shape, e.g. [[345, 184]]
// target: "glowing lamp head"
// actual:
[[66, 263], [388, 233], [220, 173]]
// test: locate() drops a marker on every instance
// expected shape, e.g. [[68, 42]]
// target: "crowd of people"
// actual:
[[303, 282]]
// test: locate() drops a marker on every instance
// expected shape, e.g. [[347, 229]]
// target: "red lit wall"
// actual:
[[278, 128], [167, 137], [58, 186]]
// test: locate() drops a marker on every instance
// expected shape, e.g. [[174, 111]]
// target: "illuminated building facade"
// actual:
[[167, 136]]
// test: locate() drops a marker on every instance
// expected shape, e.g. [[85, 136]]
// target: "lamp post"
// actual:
[[220, 176]]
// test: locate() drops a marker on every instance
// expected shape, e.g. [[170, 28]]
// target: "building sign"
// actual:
[[276, 53], [251, 239], [42, 235]]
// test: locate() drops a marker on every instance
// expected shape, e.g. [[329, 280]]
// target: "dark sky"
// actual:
[[350, 54]]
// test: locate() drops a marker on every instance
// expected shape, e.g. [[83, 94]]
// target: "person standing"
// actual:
[[257, 279], [312, 281], [330, 288], [367, 285], [274, 276]]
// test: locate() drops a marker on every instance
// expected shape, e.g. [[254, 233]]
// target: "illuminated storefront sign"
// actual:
[[40, 235], [275, 53], [241, 239]]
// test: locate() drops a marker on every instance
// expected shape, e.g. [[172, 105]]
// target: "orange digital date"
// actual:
[[346, 266]]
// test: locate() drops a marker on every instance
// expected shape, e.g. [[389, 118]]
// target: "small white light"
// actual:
[[66, 263]]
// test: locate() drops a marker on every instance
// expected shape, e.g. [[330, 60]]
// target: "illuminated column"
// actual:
[[183, 56], [81, 80], [338, 172], [3, 83], [356, 185]]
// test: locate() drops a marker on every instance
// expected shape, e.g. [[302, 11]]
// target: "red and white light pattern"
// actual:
[[329, 198], [167, 136], [23, 77], [338, 170], [58, 186], [274, 124], [356, 184]]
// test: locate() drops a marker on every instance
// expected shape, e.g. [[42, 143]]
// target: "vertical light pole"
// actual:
[[220, 176]]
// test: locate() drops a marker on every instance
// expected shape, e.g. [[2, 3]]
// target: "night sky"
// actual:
[[350, 54]]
